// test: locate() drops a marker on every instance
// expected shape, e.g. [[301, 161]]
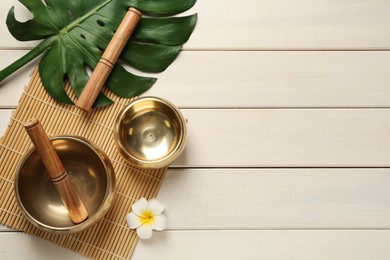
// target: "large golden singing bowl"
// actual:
[[150, 132], [91, 173]]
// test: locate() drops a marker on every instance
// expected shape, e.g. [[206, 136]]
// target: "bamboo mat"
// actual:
[[110, 238]]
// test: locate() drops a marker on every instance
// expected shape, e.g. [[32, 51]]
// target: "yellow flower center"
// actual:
[[147, 218]]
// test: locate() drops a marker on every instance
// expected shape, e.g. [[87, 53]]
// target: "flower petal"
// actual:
[[155, 206], [140, 206], [145, 231], [160, 222], [133, 220]]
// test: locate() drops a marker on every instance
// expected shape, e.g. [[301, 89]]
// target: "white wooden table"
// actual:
[[288, 152]]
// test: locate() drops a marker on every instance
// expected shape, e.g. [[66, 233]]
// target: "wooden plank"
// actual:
[[194, 245], [276, 199], [260, 198], [284, 138], [17, 245], [271, 245], [5, 115], [278, 24], [277, 79], [287, 138], [298, 25], [256, 79], [11, 88]]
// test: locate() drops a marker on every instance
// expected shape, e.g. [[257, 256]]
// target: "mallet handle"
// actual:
[[108, 60], [56, 170]]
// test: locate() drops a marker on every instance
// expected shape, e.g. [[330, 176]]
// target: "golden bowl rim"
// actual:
[[161, 162], [91, 220]]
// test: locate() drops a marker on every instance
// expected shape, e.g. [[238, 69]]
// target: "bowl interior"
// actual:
[[87, 171], [150, 130]]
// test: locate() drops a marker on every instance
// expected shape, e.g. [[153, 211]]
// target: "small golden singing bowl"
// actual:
[[150, 132], [89, 169]]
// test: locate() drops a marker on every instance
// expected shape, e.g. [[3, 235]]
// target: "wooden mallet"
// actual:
[[56, 170], [108, 60]]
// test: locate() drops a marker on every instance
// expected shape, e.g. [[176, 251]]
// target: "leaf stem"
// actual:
[[35, 52]]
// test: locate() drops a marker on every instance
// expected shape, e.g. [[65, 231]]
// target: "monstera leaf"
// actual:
[[76, 32]]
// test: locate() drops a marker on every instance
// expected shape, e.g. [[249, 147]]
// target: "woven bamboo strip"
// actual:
[[110, 238]]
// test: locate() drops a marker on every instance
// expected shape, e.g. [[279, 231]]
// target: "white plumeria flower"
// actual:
[[147, 216]]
